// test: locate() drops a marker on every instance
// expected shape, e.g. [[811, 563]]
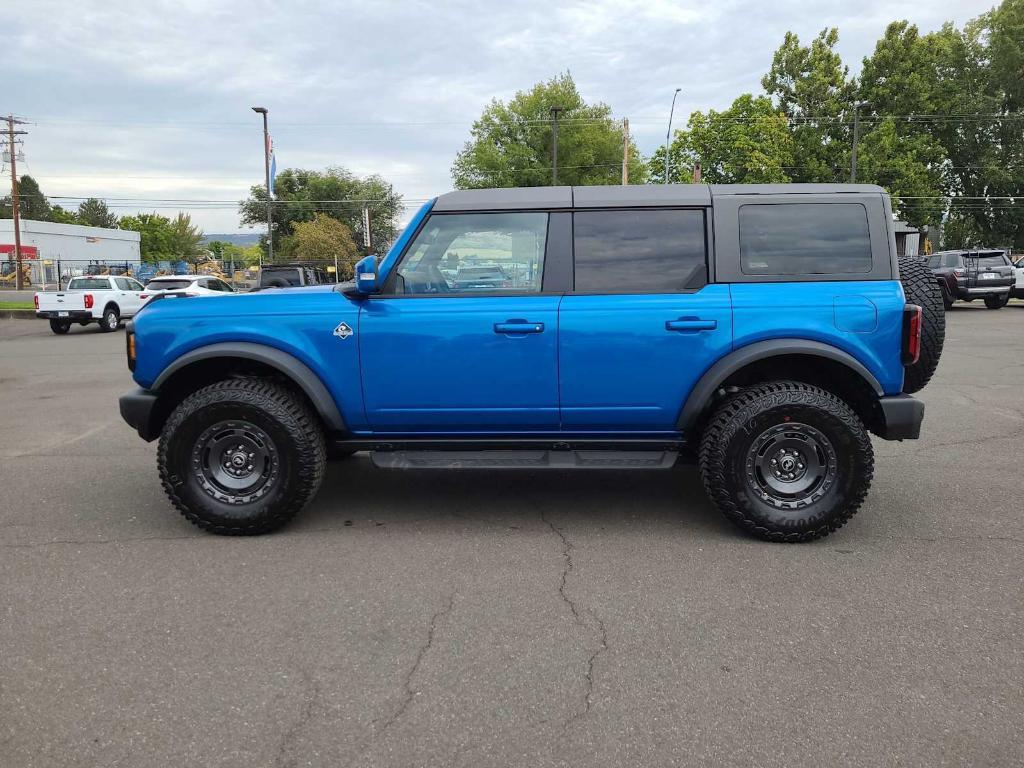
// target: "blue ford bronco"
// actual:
[[762, 331]]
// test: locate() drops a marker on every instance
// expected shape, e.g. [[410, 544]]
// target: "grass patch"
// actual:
[[16, 305]]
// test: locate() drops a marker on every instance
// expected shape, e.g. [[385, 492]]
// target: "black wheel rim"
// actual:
[[791, 466], [235, 462]]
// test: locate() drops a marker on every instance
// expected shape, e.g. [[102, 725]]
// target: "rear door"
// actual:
[[642, 323], [440, 357]]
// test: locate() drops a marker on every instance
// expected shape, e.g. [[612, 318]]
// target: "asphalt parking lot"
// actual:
[[533, 619]]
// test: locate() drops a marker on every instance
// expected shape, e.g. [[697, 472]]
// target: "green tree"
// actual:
[[301, 194], [94, 213], [748, 143], [61, 215], [186, 238], [810, 85], [32, 203], [511, 145], [156, 235], [323, 238]]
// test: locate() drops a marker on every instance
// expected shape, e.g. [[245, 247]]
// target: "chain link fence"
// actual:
[[54, 274]]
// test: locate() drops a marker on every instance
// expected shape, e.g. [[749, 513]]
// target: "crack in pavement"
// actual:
[[601, 631], [410, 692], [290, 736]]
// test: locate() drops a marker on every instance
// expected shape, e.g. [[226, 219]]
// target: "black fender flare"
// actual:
[[289, 365], [713, 378]]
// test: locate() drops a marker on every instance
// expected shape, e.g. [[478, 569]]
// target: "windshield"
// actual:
[[167, 285], [998, 260], [89, 284], [275, 277]]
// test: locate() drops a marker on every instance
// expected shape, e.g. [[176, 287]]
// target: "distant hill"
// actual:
[[238, 238]]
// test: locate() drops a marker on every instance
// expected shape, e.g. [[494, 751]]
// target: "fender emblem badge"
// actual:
[[343, 331]]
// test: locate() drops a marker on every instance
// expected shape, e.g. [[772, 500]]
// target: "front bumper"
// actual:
[[901, 417], [74, 315], [137, 410]]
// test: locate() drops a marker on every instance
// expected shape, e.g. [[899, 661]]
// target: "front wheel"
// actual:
[[241, 457], [997, 302], [786, 461], [60, 327]]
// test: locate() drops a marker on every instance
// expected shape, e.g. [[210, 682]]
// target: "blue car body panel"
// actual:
[[862, 318], [620, 365], [455, 364]]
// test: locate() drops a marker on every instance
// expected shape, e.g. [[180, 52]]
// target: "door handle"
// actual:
[[518, 326], [690, 325]]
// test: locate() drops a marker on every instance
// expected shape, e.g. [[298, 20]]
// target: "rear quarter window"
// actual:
[[804, 239]]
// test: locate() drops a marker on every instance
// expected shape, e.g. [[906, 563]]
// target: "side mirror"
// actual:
[[366, 275]]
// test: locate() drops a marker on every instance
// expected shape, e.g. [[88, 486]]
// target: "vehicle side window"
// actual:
[[475, 253], [224, 287], [951, 260], [123, 284], [651, 251], [934, 262], [804, 239], [134, 285]]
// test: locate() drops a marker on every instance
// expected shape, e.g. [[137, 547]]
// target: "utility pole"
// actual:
[[696, 172], [625, 150], [554, 144], [12, 148], [856, 136], [266, 165], [668, 133]]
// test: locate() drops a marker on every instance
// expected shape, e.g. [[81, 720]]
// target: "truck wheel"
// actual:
[[997, 302], [60, 327], [786, 461], [241, 457], [110, 320], [947, 298], [920, 288]]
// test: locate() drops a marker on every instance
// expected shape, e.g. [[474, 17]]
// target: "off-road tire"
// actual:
[[947, 297], [110, 320], [742, 419], [60, 327], [920, 287], [997, 302], [297, 437]]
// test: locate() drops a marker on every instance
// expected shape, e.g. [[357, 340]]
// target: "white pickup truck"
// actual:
[[103, 299]]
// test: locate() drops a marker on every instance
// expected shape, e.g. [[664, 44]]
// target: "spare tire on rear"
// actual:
[[921, 288]]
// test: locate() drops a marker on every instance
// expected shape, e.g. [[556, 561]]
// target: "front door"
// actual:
[[641, 325], [129, 292], [462, 338]]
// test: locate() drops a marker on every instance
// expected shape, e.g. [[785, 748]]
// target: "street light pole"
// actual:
[[856, 136], [668, 133], [266, 165]]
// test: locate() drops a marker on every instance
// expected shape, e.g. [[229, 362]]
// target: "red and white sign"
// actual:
[[27, 251]]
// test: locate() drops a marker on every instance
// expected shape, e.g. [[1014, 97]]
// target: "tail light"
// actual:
[[143, 296], [88, 300], [958, 272], [35, 300], [911, 334]]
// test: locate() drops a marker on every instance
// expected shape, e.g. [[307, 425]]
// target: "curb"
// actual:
[[17, 314]]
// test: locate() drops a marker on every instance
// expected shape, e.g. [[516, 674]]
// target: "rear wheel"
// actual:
[[997, 302], [920, 287], [241, 457], [110, 320], [786, 461], [60, 327], [947, 297]]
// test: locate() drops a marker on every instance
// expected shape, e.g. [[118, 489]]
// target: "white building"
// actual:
[[45, 244]]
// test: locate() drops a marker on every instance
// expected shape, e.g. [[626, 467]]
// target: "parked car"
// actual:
[[969, 275], [769, 353], [190, 285], [291, 275], [481, 278], [1017, 292], [102, 299]]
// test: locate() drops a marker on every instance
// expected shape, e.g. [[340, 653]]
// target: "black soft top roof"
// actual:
[[611, 196]]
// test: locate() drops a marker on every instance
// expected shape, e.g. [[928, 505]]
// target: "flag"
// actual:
[[273, 164]]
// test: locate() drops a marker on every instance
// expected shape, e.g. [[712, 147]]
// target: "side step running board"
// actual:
[[524, 459]]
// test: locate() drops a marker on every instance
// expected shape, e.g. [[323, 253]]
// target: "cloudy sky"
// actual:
[[148, 103]]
